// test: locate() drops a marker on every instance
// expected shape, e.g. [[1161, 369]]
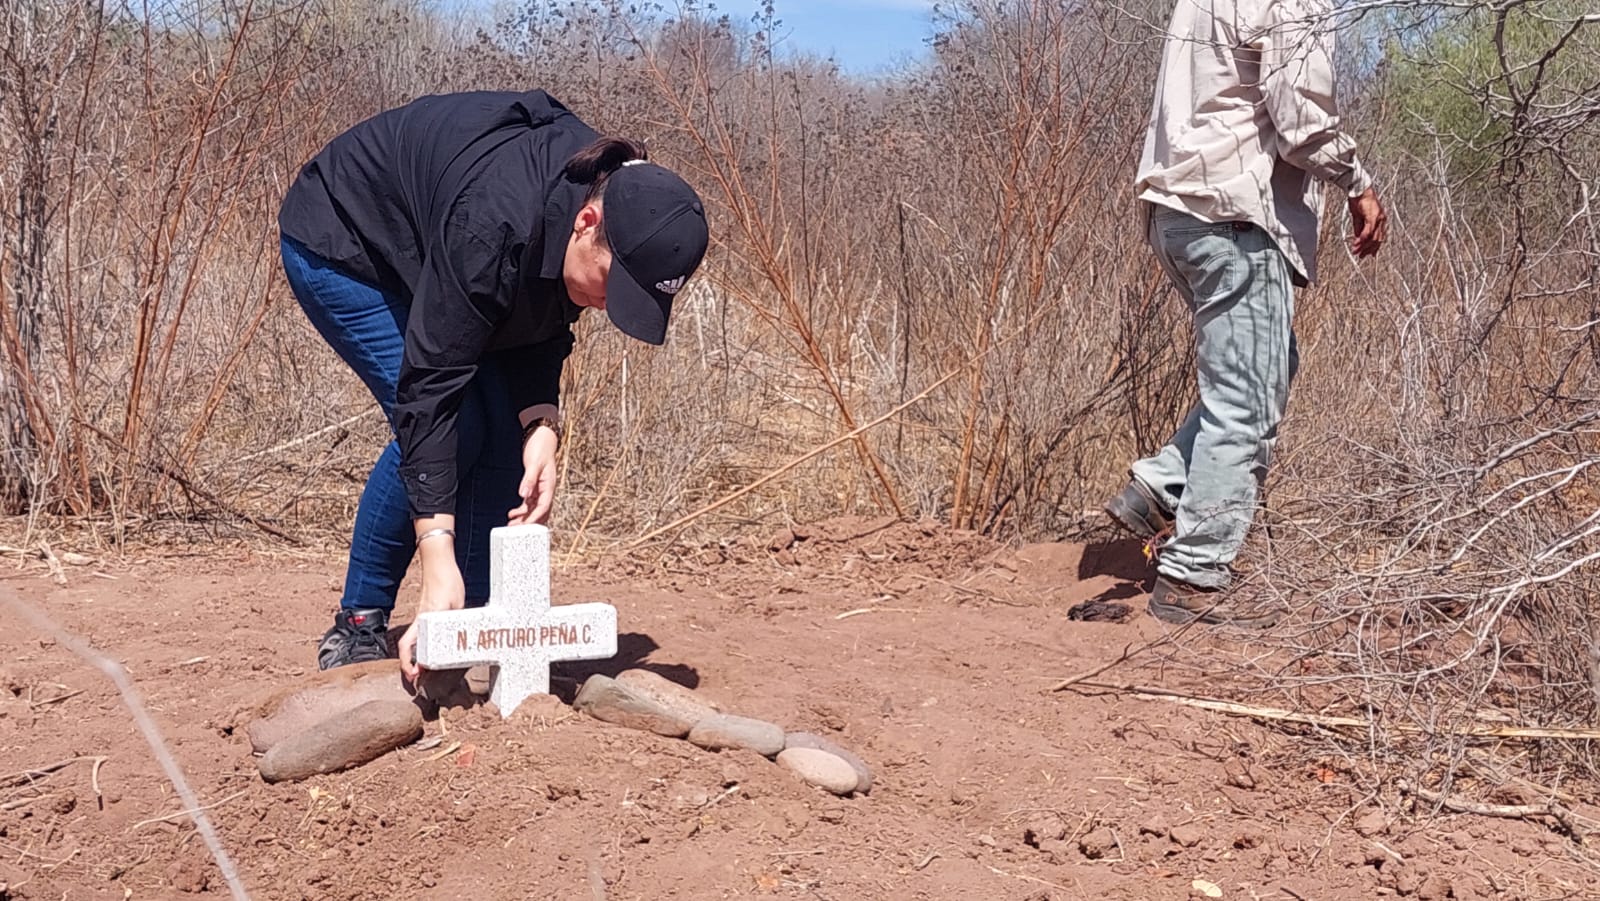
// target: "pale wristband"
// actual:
[[432, 532]]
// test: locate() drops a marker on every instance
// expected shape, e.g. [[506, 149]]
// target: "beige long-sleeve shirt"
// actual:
[[1246, 121]]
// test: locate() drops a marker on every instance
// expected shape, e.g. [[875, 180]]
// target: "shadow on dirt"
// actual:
[[633, 651], [1122, 559]]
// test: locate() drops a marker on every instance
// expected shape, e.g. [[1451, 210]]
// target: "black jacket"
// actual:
[[458, 203]]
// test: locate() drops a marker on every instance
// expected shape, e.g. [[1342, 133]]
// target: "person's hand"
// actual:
[[442, 589], [1371, 224], [538, 488]]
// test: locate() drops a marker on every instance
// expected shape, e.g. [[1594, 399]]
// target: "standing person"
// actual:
[[1243, 136], [444, 249]]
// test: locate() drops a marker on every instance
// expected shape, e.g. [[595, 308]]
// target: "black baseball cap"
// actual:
[[656, 227]]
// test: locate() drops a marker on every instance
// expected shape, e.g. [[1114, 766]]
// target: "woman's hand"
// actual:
[[442, 586], [538, 488]]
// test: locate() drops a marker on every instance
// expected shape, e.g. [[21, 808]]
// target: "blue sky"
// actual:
[[863, 36]]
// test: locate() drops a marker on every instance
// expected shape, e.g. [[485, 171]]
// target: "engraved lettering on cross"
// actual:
[[518, 630]]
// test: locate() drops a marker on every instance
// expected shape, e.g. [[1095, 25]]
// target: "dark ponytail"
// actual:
[[594, 164]]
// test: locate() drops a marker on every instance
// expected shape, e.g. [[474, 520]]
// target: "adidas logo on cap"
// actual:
[[671, 285]]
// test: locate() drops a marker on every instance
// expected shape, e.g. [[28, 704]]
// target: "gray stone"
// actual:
[[667, 694], [290, 711], [347, 740], [826, 771], [603, 698], [518, 630], [817, 742], [723, 731]]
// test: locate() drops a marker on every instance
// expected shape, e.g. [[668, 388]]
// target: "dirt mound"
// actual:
[[987, 786], [855, 545], [859, 543]]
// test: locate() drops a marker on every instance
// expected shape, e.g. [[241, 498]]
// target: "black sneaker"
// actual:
[[357, 636], [1137, 510]]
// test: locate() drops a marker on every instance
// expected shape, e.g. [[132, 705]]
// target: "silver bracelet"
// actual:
[[432, 532]]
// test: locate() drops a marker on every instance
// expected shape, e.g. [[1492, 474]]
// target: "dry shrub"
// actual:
[[1434, 515], [873, 238]]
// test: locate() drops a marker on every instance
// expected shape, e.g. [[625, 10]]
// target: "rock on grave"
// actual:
[[680, 699], [726, 731], [453, 688], [287, 712], [809, 740], [517, 630], [351, 739], [607, 699], [826, 771]]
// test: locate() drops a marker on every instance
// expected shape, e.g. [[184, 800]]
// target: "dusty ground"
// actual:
[[989, 786]]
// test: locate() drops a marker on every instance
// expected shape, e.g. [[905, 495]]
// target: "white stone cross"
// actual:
[[517, 630]]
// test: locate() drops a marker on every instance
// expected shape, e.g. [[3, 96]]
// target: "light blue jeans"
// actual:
[[1239, 288]]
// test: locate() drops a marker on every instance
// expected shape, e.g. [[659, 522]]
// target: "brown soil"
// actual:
[[988, 786]]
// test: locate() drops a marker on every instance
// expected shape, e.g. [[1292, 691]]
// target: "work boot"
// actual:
[[1137, 510], [1180, 603], [357, 636]]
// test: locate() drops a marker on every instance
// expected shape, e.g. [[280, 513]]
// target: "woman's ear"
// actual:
[[588, 219]]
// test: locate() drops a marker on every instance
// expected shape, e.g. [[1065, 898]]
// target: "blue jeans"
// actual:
[[1238, 286], [367, 328]]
